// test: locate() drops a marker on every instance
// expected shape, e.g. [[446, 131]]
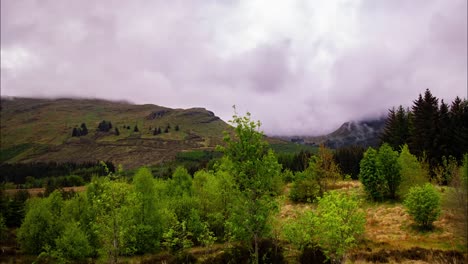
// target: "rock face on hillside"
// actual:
[[35, 130], [362, 133]]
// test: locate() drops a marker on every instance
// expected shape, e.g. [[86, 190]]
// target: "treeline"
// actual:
[[18, 173], [432, 129]]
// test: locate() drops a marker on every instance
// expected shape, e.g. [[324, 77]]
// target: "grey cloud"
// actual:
[[304, 75]]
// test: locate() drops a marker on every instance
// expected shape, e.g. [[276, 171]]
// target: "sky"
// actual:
[[301, 67]]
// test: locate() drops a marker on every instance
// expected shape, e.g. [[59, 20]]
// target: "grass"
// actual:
[[33, 127]]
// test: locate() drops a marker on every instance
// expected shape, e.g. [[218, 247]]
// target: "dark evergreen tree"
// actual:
[[397, 127], [159, 130], [104, 126], [348, 159], [155, 132], [135, 129], [117, 132], [84, 129], [166, 130], [177, 128], [444, 133], [75, 132], [425, 118], [459, 127]]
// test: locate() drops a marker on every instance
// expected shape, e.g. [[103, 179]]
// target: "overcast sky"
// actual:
[[301, 67]]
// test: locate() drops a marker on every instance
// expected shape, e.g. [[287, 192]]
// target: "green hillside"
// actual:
[[35, 130]]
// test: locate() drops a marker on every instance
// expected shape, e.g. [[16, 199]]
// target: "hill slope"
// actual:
[[362, 133], [35, 130]]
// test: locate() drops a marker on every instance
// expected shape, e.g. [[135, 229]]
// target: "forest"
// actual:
[[245, 203]]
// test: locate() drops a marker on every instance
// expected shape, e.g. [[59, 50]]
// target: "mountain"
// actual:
[[40, 130], [362, 133]]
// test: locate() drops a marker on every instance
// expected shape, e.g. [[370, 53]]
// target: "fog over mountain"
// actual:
[[301, 67]]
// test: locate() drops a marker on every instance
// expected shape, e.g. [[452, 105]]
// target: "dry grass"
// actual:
[[34, 192]]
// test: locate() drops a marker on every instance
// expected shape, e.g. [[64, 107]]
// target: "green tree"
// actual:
[[412, 173], [148, 222], [135, 129], [73, 243], [117, 132], [41, 225], [254, 169], [339, 224], [374, 183], [389, 169], [423, 205]]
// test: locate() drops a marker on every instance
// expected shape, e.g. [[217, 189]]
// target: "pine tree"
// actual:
[[166, 130], [117, 132], [75, 132], [155, 132], [135, 129], [159, 130], [397, 127], [459, 127], [425, 117], [177, 128], [84, 129], [444, 132]]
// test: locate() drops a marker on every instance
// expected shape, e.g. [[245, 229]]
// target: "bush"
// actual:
[[339, 224], [412, 173], [423, 205], [305, 188]]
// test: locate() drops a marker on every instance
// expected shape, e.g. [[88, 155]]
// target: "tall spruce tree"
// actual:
[[425, 118], [444, 133], [397, 127], [84, 129], [459, 127]]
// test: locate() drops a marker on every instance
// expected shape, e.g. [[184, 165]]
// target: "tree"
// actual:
[[374, 183], [177, 128], [339, 224], [104, 126], [155, 132], [41, 225], [117, 132], [73, 243], [166, 130], [254, 168], [459, 127], [423, 205], [348, 159], [135, 129], [76, 132], [412, 173], [84, 129], [397, 127], [389, 169], [146, 216], [425, 117]]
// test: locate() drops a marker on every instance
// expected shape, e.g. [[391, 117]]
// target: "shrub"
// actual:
[[339, 224], [412, 173], [423, 205]]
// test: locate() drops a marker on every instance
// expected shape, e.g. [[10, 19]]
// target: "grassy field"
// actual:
[[40, 130]]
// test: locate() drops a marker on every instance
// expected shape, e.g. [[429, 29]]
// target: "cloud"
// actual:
[[301, 67]]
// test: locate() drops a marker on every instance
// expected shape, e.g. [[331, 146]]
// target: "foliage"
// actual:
[[41, 224], [412, 172], [389, 169], [423, 205], [104, 126], [3, 228], [397, 127], [73, 243], [348, 159], [339, 223], [373, 182], [335, 227], [254, 168]]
